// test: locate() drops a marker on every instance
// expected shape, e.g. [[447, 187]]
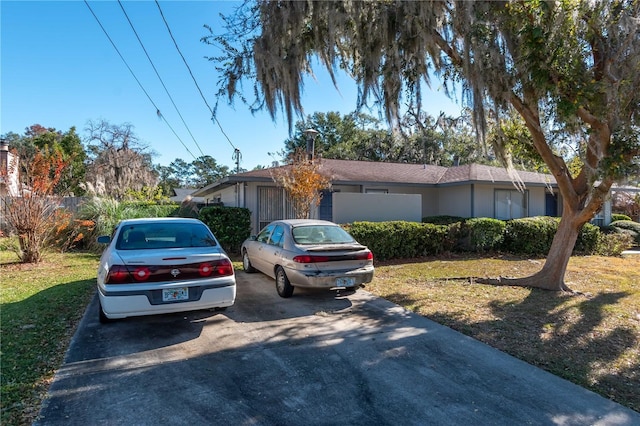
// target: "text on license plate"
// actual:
[[345, 282], [175, 294]]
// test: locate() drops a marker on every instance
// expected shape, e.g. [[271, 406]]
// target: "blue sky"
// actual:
[[59, 69]]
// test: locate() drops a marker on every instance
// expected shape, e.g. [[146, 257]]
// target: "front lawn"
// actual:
[[591, 339], [40, 306]]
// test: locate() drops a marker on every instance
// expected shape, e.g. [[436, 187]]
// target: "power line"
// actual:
[[213, 117], [138, 81], [159, 78]]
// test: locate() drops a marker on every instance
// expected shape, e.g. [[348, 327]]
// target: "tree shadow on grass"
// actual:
[[569, 340]]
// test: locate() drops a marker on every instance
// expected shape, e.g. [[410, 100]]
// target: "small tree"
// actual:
[[303, 181], [33, 213]]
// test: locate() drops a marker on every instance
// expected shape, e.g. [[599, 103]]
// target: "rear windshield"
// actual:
[[164, 235], [321, 234]]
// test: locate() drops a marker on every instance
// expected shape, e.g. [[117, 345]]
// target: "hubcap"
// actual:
[[280, 282]]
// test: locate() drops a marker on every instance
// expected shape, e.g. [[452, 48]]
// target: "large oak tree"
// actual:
[[566, 67]]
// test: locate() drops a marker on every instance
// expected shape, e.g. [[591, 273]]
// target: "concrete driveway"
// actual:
[[314, 359]]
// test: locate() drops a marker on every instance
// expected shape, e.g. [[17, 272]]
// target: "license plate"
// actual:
[[345, 282], [175, 294]]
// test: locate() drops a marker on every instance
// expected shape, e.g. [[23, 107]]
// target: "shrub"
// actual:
[[613, 244], [530, 235], [442, 220], [482, 234], [628, 227], [230, 225], [399, 239], [617, 216], [99, 216], [588, 239]]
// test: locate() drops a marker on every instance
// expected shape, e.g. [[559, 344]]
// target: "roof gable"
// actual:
[[372, 172]]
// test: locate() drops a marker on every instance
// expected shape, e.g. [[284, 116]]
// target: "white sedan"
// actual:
[[163, 265], [308, 253]]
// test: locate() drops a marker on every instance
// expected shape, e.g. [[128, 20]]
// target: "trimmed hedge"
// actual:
[[530, 235], [534, 235], [400, 239], [617, 216], [230, 225], [526, 236], [628, 227], [481, 234], [443, 220]]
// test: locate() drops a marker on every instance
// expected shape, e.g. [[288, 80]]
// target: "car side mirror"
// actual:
[[104, 239], [253, 237]]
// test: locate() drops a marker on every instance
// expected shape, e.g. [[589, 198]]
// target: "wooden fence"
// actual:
[[70, 203]]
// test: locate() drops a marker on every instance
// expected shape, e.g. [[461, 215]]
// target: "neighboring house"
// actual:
[[626, 199], [8, 171], [374, 191], [9, 185], [180, 194]]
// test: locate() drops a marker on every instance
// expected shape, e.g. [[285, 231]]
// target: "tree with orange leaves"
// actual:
[[33, 212], [303, 181]]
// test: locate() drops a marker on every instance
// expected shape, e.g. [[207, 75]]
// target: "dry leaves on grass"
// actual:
[[592, 339]]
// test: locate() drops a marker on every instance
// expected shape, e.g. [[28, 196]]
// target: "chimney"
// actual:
[[4, 145]]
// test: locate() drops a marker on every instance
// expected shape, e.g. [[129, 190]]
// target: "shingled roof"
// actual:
[[349, 171], [369, 172]]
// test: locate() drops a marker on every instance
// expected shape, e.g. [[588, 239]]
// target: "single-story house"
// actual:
[[374, 191], [8, 171], [180, 194]]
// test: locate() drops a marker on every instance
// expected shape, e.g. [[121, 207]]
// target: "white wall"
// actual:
[[537, 206], [350, 207], [455, 201]]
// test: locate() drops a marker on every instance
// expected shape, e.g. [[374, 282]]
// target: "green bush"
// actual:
[[230, 225], [588, 239], [628, 227], [530, 235], [618, 216], [481, 234], [399, 239], [98, 216], [526, 236], [442, 220], [613, 244]]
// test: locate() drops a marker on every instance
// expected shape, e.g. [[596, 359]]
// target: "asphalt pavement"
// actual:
[[315, 359]]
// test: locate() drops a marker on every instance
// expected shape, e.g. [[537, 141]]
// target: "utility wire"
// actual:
[[159, 78], [138, 81], [213, 117]]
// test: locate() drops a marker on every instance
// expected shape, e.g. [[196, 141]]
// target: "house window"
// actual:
[[511, 204], [376, 191]]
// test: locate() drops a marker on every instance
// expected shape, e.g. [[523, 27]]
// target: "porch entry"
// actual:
[[273, 205]]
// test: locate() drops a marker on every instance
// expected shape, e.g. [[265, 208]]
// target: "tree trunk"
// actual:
[[551, 276]]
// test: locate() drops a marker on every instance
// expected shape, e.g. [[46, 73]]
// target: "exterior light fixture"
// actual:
[[311, 138]]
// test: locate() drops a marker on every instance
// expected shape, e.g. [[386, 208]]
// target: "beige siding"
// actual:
[[455, 201], [483, 200], [537, 201], [350, 207]]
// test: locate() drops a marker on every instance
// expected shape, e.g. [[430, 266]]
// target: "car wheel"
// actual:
[[103, 318], [283, 286], [246, 263]]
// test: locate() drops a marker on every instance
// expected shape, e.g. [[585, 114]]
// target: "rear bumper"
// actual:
[[121, 305], [329, 279]]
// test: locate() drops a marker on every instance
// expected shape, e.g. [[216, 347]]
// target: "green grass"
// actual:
[[40, 306], [592, 339]]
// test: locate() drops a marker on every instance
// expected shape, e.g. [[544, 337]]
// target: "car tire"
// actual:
[[246, 263], [103, 318], [283, 286]]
